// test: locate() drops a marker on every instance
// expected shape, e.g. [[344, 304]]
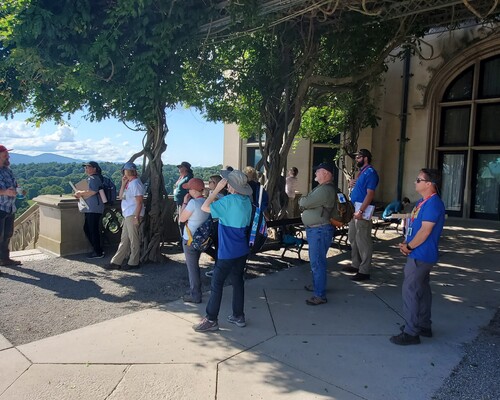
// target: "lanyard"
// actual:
[[362, 170], [415, 210]]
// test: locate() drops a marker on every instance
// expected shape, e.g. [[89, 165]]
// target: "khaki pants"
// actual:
[[360, 237], [130, 243]]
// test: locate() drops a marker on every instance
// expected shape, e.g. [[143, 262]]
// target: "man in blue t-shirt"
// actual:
[[421, 248], [234, 212], [360, 228]]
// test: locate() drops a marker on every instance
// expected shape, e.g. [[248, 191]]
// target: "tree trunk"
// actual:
[[158, 224]]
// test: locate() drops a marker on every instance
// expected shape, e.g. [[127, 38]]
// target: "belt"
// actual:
[[317, 225]]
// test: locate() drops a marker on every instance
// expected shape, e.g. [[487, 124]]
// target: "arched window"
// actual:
[[468, 145]]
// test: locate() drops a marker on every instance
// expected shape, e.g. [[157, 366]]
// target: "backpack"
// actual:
[[343, 211], [109, 188], [203, 236], [258, 228]]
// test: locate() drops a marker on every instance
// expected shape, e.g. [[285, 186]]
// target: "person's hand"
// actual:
[[78, 194], [221, 185], [124, 179], [403, 249], [352, 182], [187, 197]]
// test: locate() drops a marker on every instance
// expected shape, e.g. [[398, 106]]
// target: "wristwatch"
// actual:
[[409, 247]]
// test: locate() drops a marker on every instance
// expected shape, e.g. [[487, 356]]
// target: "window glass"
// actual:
[[461, 87], [488, 117], [489, 78], [487, 184], [452, 183], [455, 126]]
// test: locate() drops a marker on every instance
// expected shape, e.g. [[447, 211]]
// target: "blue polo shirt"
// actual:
[[234, 212], [368, 179], [432, 210]]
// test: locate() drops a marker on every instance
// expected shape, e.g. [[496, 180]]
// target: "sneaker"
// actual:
[[403, 339], [238, 321], [426, 332], [95, 255], [9, 262], [206, 326], [350, 270], [316, 301], [190, 299], [360, 277], [112, 266], [128, 267], [209, 274]]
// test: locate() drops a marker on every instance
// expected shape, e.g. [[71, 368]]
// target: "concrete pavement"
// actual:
[[339, 350]]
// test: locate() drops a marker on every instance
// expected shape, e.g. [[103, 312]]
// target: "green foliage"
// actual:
[[54, 178]]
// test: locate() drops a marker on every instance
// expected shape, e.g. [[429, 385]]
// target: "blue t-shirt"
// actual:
[[432, 210], [234, 212], [368, 179], [394, 207]]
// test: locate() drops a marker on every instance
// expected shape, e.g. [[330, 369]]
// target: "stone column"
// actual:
[[61, 225]]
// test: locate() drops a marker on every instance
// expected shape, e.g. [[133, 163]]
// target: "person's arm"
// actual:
[[122, 187], [138, 208], [421, 236], [317, 198], [210, 199], [370, 194]]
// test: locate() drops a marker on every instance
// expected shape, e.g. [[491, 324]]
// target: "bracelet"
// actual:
[[409, 247], [184, 204]]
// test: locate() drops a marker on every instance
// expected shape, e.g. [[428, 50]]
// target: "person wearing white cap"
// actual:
[[8, 192], [234, 212], [132, 196]]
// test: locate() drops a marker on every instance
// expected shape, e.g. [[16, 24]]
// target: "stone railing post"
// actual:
[[61, 225]]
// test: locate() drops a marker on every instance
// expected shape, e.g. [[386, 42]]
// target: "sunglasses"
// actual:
[[418, 180]]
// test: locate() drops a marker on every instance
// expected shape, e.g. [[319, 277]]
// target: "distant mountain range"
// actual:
[[41, 158]]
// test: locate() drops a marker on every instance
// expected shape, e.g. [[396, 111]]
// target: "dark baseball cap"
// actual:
[[92, 164], [364, 153], [325, 165], [3, 148]]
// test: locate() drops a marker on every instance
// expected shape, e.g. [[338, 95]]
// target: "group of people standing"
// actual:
[[229, 202], [132, 207], [420, 245]]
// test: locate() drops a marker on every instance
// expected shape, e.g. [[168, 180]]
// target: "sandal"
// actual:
[[316, 301]]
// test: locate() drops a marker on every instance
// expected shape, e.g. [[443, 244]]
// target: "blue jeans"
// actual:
[[319, 240], [223, 268]]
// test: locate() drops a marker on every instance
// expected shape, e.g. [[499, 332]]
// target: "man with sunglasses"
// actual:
[[360, 229], [421, 249]]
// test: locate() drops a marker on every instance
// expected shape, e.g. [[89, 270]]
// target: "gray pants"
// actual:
[[417, 296], [193, 266], [360, 237]]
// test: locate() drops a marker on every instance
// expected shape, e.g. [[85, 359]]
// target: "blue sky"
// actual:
[[190, 138]]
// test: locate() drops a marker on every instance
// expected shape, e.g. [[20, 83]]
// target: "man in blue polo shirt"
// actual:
[[421, 248], [234, 212], [360, 229]]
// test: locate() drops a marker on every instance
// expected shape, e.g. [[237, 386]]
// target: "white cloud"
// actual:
[[63, 133]]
